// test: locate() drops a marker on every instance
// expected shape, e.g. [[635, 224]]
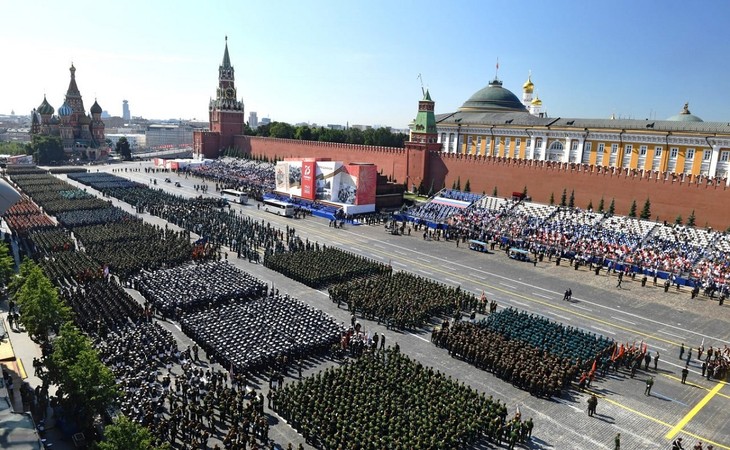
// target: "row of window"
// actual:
[[628, 149]]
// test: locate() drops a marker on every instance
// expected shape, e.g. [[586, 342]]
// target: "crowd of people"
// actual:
[[239, 174], [401, 300], [386, 400], [702, 257], [252, 335], [319, 266]]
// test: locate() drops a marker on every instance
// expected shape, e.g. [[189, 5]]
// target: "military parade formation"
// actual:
[[369, 395]]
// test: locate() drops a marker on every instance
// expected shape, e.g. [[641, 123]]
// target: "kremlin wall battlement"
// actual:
[[670, 194]]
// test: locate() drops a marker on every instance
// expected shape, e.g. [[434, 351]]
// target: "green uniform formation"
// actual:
[[130, 247], [402, 300], [385, 400], [45, 242], [552, 337], [526, 367], [323, 266], [527, 350]]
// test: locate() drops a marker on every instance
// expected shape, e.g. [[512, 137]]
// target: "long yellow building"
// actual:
[[494, 122]]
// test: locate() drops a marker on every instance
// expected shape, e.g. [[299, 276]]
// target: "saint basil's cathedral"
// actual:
[[77, 130]]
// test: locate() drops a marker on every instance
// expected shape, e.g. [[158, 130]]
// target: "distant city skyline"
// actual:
[[330, 62]]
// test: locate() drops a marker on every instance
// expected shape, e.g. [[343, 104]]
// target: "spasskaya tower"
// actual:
[[226, 114]]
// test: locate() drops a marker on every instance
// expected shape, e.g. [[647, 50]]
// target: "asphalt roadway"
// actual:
[[630, 314]]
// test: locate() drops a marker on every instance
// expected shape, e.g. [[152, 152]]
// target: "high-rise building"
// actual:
[[253, 120], [125, 111]]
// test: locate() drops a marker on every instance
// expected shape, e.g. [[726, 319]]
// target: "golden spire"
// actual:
[[528, 86]]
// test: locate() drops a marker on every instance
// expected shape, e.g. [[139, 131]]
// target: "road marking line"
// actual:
[[656, 394], [677, 428], [583, 307], [623, 320], [694, 385], [424, 259], [508, 285], [561, 401], [419, 337], [670, 334], [541, 295], [518, 303], [452, 281], [603, 330]]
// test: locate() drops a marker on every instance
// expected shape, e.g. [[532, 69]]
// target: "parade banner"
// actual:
[[309, 172]]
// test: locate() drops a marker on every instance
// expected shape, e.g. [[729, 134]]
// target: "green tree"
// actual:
[[600, 205], [612, 207], [524, 191], [7, 264], [494, 192], [590, 205], [47, 149], [678, 220], [691, 219], [303, 133], [571, 200], [564, 198], [552, 198], [17, 281], [467, 186], [646, 211], [281, 130], [124, 434], [12, 148], [263, 130], [632, 210], [453, 185], [123, 148], [458, 183], [86, 386], [43, 311]]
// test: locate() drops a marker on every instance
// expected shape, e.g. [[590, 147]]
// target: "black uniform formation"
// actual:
[[179, 402], [101, 305], [197, 286], [384, 400], [250, 336], [322, 266], [402, 300]]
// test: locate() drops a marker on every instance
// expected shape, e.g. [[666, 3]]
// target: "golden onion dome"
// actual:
[[528, 86], [536, 102]]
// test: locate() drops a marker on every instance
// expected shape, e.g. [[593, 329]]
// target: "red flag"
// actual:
[[593, 368]]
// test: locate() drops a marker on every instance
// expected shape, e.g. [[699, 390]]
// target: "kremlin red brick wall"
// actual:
[[391, 162], [669, 197]]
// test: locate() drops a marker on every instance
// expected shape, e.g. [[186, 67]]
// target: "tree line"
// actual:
[[383, 136]]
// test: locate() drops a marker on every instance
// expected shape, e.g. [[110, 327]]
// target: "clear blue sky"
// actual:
[[357, 61]]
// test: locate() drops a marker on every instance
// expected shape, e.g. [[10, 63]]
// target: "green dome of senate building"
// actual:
[[685, 116], [493, 98]]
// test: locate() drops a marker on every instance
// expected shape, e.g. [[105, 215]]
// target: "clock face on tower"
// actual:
[[230, 93]]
